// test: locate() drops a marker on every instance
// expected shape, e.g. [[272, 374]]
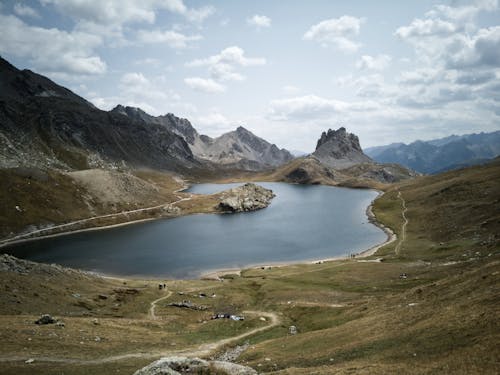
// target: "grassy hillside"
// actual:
[[352, 316]]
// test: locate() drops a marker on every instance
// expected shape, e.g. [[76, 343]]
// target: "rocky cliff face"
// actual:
[[339, 149], [249, 197]]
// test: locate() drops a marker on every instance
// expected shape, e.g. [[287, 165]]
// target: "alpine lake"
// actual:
[[302, 223]]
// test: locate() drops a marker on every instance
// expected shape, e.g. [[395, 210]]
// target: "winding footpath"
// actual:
[[199, 351], [403, 227], [152, 308], [39, 233]]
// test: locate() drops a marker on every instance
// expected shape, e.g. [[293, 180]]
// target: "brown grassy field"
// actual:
[[352, 316]]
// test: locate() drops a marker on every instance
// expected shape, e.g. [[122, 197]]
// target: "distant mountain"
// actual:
[[377, 150], [339, 149], [441, 154], [239, 148]]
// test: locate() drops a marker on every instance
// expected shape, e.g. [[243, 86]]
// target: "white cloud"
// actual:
[[119, 12], [25, 11], [336, 31], [233, 55], [224, 72], [426, 28], [379, 62], [51, 50], [171, 38], [305, 107], [204, 84], [115, 11], [222, 68], [259, 21]]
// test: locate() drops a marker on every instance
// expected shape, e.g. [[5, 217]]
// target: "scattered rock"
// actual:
[[188, 305], [102, 296], [184, 365], [45, 319], [28, 361], [60, 324], [249, 197], [95, 321], [233, 353]]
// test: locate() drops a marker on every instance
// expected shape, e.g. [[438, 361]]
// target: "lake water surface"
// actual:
[[302, 223]]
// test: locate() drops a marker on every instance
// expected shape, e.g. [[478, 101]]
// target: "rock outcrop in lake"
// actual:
[[248, 197], [184, 365]]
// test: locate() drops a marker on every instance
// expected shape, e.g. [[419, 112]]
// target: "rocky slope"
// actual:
[[339, 150], [249, 197], [440, 154], [45, 125], [239, 149]]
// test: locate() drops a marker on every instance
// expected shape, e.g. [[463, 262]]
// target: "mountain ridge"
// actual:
[[237, 148], [441, 154]]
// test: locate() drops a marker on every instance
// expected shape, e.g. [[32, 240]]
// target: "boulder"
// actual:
[[249, 197], [45, 319], [184, 365]]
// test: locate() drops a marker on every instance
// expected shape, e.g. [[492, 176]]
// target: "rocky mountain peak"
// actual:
[[340, 149], [340, 136]]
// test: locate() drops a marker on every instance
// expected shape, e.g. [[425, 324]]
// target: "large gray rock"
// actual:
[[339, 149], [249, 197], [184, 365]]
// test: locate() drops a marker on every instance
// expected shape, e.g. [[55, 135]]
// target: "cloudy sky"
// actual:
[[287, 70]]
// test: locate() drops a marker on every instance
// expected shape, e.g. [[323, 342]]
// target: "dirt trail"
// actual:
[[403, 227], [26, 236], [151, 312], [199, 351]]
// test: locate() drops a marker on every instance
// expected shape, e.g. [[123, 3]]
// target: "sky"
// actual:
[[388, 71]]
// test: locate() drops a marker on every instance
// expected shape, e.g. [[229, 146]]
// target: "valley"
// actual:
[[425, 301], [439, 317]]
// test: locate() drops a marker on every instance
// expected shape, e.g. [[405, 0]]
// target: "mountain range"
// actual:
[[46, 125], [442, 154]]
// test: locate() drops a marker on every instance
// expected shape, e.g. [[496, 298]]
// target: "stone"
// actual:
[[184, 365], [45, 319], [292, 330]]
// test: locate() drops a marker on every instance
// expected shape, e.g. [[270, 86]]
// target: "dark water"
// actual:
[[302, 223]]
